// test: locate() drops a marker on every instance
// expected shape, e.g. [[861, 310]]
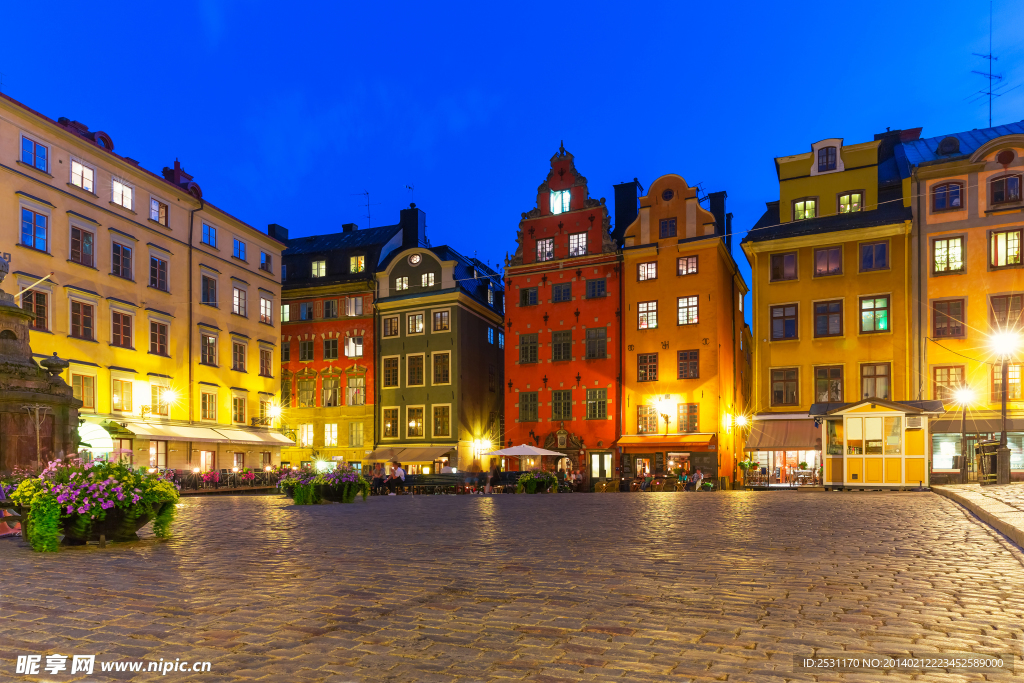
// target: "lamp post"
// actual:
[[1004, 344], [964, 396]]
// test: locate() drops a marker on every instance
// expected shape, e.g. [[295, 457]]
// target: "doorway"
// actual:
[[643, 466], [600, 466]]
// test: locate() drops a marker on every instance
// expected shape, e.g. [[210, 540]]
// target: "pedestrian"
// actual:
[[495, 476], [698, 479]]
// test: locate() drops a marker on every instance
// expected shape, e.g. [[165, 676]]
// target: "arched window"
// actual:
[[946, 196], [1005, 189]]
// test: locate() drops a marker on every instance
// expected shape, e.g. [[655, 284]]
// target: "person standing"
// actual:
[[493, 481]]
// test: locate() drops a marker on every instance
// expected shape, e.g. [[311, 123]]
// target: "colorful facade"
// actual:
[[562, 359], [164, 304], [683, 362], [832, 306], [968, 276], [328, 342]]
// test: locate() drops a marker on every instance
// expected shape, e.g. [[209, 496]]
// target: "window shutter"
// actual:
[[357, 305], [348, 346], [348, 307], [319, 308]]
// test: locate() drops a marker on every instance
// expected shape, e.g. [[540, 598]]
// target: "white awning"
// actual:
[[256, 437], [171, 432], [421, 454]]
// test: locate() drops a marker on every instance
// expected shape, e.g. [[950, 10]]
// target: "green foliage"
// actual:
[[43, 523], [803, 465], [164, 519], [307, 494]]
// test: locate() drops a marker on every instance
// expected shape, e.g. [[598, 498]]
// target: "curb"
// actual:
[[1001, 517]]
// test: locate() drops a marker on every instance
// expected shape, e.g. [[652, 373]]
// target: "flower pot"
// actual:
[[345, 492], [119, 524]]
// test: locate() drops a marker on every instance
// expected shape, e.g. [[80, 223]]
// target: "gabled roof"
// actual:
[[916, 407], [315, 244], [476, 287], [920, 152], [769, 228]]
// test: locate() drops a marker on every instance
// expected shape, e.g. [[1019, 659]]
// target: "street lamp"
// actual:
[[1004, 344], [963, 396]]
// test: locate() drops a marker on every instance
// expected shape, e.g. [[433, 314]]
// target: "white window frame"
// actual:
[[581, 242], [560, 200], [124, 184], [330, 435], [426, 369], [124, 377], [318, 269], [71, 174], [351, 304], [353, 345], [362, 434], [49, 153], [266, 310], [383, 323], [421, 332], [427, 279], [159, 383], [155, 198], [235, 289], [384, 358], [85, 371], [545, 255], [434, 434], [211, 391], [306, 434]]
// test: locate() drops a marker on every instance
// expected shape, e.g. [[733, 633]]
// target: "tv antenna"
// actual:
[[990, 76], [366, 194], [412, 192]]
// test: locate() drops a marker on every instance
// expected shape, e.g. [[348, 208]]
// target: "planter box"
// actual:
[[118, 525], [345, 493]]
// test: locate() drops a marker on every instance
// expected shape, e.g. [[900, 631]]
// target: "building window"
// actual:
[[157, 338], [501, 340], [851, 202], [1005, 314], [559, 201], [784, 322], [688, 417], [209, 235], [1005, 249], [356, 264], [122, 193], [597, 404], [947, 380], [490, 296], [238, 356], [828, 384], [948, 318], [238, 250], [158, 404], [319, 268], [647, 367], [305, 435], [158, 211], [414, 323], [490, 335], [158, 273], [667, 228], [121, 261], [330, 349], [596, 289], [1005, 189], [286, 352], [874, 380], [35, 303], [442, 421], [440, 321], [826, 159], [266, 363], [528, 348], [784, 386], [121, 396], [355, 434], [828, 261], [686, 265], [578, 244], [266, 310], [783, 267], [390, 372], [284, 272], [82, 320], [874, 256], [948, 255], [34, 154], [238, 301], [121, 330], [528, 296], [546, 249], [266, 262], [238, 409], [306, 350], [286, 312], [390, 423], [597, 343], [427, 280], [82, 176], [83, 388], [331, 308], [946, 197], [686, 310], [561, 404], [688, 364], [874, 314], [828, 319], [647, 315], [804, 209], [307, 387], [414, 371], [561, 345], [391, 327], [330, 392], [306, 310], [415, 422], [208, 349], [646, 420], [1014, 393], [442, 363], [647, 271], [331, 435], [209, 291], [35, 232], [401, 284], [82, 247]]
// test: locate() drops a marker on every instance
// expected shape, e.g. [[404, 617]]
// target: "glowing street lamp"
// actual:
[[741, 420]]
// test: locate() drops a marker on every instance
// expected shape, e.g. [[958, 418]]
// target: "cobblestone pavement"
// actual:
[[1008, 494], [631, 587]]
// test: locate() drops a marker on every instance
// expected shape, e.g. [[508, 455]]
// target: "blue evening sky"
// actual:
[[286, 112]]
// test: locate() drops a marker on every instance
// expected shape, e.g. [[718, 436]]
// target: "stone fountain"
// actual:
[[38, 411]]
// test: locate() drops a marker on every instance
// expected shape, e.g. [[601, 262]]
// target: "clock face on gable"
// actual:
[[415, 259]]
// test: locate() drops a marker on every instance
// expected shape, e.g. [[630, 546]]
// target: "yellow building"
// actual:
[[683, 328], [967, 280], [831, 308], [163, 303]]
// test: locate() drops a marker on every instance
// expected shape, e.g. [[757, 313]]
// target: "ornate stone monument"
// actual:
[[38, 411]]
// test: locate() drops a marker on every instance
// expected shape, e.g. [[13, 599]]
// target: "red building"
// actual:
[[561, 316]]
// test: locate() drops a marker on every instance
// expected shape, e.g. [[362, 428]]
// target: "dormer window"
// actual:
[[826, 159], [1006, 189], [805, 208], [559, 201], [546, 249], [851, 202]]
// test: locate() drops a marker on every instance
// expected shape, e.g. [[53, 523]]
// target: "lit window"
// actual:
[[874, 314], [578, 244], [850, 202], [121, 397], [286, 310], [390, 419], [1005, 248], [238, 301], [391, 327], [415, 422], [319, 268], [427, 280], [546, 249], [828, 384], [647, 271], [157, 211], [686, 265], [331, 392], [266, 310], [415, 323], [490, 335], [559, 201], [647, 315], [121, 193], [356, 264], [401, 283], [948, 255], [306, 435], [647, 367], [353, 347], [440, 321], [646, 420], [442, 420], [82, 176], [330, 435], [805, 208], [687, 310]]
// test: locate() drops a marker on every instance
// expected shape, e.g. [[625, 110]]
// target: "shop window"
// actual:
[[875, 380], [828, 319], [1005, 189], [948, 255], [528, 348], [688, 417], [948, 379], [561, 404], [689, 364], [1013, 389], [528, 406], [946, 196], [828, 384], [1005, 248], [783, 267], [784, 322], [874, 256], [948, 318], [561, 345], [1005, 311], [874, 314], [646, 420], [158, 454], [667, 228], [834, 437], [647, 315], [784, 386], [874, 435], [828, 261], [647, 367]]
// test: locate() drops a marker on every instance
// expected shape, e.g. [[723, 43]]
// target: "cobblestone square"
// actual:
[[720, 586]]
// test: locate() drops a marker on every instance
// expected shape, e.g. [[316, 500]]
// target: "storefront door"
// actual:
[[643, 466], [207, 460], [600, 465]]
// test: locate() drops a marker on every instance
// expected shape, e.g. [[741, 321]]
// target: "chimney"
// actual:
[[349, 227], [414, 227], [177, 174], [278, 232], [627, 207], [716, 205], [728, 231]]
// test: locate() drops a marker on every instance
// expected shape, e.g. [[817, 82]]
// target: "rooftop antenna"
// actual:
[[366, 194], [412, 192], [702, 195], [990, 76]]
